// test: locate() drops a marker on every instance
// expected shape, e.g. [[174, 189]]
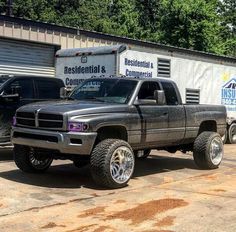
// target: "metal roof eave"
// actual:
[[91, 51], [119, 39]]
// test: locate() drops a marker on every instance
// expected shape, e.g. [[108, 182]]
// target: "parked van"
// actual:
[[16, 91]]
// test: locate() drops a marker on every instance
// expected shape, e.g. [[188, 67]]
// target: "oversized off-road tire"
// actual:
[[112, 163], [208, 150], [232, 134], [142, 154], [28, 161]]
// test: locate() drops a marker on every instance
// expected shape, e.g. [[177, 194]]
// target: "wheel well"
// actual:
[[208, 126], [112, 132]]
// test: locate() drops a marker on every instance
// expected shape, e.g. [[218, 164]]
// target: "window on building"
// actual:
[[163, 68], [192, 96]]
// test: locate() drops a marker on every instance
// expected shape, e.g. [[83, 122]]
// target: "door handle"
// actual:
[[165, 113]]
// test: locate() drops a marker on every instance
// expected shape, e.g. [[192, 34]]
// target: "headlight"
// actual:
[[77, 126]]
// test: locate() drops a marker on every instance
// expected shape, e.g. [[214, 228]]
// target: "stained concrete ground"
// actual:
[[166, 193]]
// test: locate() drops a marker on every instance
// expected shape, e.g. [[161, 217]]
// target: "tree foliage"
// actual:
[[227, 11], [205, 25]]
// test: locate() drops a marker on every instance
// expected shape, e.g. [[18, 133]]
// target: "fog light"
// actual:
[[77, 126]]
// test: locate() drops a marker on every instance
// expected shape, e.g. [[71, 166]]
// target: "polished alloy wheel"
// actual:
[[122, 164], [216, 151]]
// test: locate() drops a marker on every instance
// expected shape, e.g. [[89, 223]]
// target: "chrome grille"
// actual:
[[39, 120]]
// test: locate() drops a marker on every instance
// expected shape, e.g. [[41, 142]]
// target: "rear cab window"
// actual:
[[170, 93]]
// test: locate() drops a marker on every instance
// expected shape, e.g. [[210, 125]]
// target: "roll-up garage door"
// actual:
[[26, 58]]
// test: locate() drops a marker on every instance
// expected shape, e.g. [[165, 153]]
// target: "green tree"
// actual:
[[149, 18], [190, 24], [227, 10], [122, 19]]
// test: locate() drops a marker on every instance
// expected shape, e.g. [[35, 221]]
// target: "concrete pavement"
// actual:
[[167, 193]]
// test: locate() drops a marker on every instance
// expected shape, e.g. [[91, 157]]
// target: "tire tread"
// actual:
[[200, 150], [99, 162]]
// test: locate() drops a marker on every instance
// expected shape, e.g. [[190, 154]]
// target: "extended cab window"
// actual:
[[170, 93], [48, 89], [23, 87], [147, 90]]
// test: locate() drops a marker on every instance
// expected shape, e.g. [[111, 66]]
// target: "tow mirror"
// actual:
[[64, 92], [159, 96]]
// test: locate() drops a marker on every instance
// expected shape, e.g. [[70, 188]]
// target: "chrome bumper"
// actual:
[[64, 142]]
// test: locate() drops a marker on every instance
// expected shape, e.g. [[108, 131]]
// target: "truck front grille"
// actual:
[[25, 119], [50, 120], [39, 120]]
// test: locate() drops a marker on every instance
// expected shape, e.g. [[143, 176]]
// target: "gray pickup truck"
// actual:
[[108, 122]]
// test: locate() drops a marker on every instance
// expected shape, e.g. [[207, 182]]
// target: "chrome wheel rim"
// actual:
[[216, 151], [39, 163], [122, 164]]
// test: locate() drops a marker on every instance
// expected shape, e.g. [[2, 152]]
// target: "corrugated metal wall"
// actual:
[[25, 58], [30, 49]]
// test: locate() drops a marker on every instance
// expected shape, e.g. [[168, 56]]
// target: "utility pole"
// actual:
[[9, 10]]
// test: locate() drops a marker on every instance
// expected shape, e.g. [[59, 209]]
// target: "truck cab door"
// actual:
[[153, 117], [17, 93], [176, 111]]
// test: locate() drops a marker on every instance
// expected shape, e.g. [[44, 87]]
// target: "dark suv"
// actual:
[[16, 91]]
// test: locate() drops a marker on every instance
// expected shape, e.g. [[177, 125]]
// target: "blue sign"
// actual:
[[228, 95]]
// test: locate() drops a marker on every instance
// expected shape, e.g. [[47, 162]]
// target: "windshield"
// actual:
[[105, 90], [3, 80]]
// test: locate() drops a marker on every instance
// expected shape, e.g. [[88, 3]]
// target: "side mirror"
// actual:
[[64, 92], [159, 96]]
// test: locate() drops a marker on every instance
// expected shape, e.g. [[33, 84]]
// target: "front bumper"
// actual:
[[64, 142]]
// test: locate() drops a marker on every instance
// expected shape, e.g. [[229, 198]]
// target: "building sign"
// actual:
[[228, 95], [74, 70], [138, 64]]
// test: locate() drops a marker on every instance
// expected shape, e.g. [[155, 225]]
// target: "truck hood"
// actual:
[[73, 107]]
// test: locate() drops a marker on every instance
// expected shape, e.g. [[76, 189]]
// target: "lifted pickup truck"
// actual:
[[108, 121]]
